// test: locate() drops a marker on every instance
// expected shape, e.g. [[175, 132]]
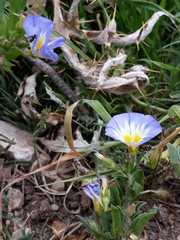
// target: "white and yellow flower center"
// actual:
[[134, 138], [40, 42], [39, 45]]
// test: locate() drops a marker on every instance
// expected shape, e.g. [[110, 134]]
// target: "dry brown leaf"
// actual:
[[58, 225], [69, 23], [82, 235], [58, 228], [55, 118], [105, 36], [29, 97], [131, 209], [34, 6], [96, 74]]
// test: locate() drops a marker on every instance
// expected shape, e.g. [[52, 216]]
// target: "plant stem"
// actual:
[[147, 105]]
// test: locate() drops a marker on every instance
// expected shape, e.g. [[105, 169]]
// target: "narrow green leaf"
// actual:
[[154, 7], [101, 111], [28, 237], [16, 8], [166, 66], [81, 53], [3, 19]]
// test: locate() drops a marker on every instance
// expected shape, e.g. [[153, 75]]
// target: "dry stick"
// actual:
[[48, 70], [2, 182]]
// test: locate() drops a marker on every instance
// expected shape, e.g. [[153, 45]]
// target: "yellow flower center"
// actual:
[[39, 45], [134, 139], [97, 205]]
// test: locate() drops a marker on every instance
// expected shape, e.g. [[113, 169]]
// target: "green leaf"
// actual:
[[78, 50], [174, 112], [106, 236], [174, 154], [137, 190], [122, 186], [139, 205], [106, 221], [5, 215], [166, 66], [115, 198], [138, 176], [13, 53], [117, 221], [175, 94], [98, 107], [91, 226], [16, 7], [153, 6], [28, 237], [5, 139], [140, 221], [3, 19]]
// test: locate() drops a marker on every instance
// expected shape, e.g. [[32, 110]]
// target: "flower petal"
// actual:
[[46, 53], [133, 129], [32, 21], [38, 30], [93, 190], [56, 43]]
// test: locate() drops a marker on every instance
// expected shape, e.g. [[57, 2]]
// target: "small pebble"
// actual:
[[54, 207], [178, 237]]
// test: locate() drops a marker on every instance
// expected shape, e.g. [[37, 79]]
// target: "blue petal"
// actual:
[[127, 123], [44, 36], [46, 53], [32, 21], [32, 31], [56, 43], [93, 190]]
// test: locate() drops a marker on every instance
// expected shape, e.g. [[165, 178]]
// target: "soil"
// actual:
[[53, 216]]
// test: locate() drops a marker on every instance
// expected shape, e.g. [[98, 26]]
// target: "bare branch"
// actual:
[[48, 70]]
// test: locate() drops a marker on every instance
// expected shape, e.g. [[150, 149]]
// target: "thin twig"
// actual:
[[73, 230], [48, 70]]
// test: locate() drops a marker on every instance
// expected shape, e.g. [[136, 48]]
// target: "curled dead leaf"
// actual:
[[55, 118], [96, 74], [29, 97]]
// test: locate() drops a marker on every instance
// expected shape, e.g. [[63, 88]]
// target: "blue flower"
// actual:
[[93, 191], [133, 129], [38, 31]]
